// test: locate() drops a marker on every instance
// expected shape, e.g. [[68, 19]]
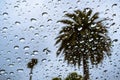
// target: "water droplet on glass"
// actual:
[[5, 14], [20, 70], [2, 71], [93, 25], [49, 20], [22, 39], [26, 48], [79, 29], [43, 60], [8, 59], [8, 78], [35, 52], [11, 65], [44, 14], [31, 27], [5, 28], [33, 20], [16, 47], [17, 23], [18, 58]]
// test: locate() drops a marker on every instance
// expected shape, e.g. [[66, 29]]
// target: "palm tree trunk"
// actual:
[[85, 68], [31, 74]]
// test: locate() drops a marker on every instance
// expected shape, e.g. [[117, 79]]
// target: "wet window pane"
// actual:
[[30, 29]]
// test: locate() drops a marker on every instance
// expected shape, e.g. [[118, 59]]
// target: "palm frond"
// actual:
[[68, 22]]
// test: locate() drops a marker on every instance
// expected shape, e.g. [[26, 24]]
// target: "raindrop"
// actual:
[[5, 28], [11, 65], [16, 6], [35, 52], [18, 58], [36, 34], [8, 59], [43, 60], [114, 5], [27, 53], [31, 27], [2, 71], [20, 70], [5, 14], [49, 20], [93, 25], [44, 14], [17, 23], [16, 47], [11, 73], [8, 78], [33, 20], [22, 39], [26, 48], [115, 40], [79, 29]]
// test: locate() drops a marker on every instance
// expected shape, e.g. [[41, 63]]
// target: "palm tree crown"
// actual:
[[83, 38], [32, 63]]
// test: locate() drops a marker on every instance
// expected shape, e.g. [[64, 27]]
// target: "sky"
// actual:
[[27, 27]]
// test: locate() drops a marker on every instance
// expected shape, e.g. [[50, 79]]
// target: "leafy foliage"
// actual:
[[83, 34], [71, 76], [83, 39]]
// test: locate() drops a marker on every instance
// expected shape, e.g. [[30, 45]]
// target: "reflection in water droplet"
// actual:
[[79, 29], [16, 47], [20, 70], [17, 23], [22, 39], [8, 78], [11, 65], [33, 20], [5, 28], [35, 52], [43, 60], [44, 14], [8, 59], [26, 48], [11, 73], [49, 20], [5, 14], [27, 53], [31, 27], [18, 58], [2, 71]]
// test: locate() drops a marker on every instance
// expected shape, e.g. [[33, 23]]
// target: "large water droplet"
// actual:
[[20, 70], [2, 71], [35, 52], [17, 23], [26, 48], [5, 14], [44, 14], [16, 47], [33, 20], [22, 39]]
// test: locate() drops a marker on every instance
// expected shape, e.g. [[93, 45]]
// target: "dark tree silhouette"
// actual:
[[56, 78], [31, 65], [83, 39], [71, 76]]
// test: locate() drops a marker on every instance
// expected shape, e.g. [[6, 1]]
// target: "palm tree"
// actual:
[[83, 39], [56, 78], [73, 76], [31, 65]]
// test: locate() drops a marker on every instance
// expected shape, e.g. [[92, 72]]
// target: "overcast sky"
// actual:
[[29, 26]]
